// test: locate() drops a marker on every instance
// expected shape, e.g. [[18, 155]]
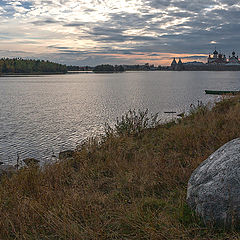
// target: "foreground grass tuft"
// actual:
[[130, 185]]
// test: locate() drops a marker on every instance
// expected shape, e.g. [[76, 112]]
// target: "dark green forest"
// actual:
[[106, 68], [19, 65]]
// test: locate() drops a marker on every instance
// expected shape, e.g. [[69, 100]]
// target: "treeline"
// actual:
[[78, 68], [19, 65], [106, 68]]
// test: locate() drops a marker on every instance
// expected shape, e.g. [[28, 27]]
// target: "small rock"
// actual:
[[214, 187], [66, 154], [31, 162]]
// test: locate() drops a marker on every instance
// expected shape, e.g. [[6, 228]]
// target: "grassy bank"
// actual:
[[132, 185]]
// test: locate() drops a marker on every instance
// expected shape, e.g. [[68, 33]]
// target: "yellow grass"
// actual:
[[129, 186]]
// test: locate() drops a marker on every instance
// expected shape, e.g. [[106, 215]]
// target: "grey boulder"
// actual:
[[214, 187]]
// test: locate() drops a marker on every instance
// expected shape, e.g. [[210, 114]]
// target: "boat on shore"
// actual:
[[221, 92]]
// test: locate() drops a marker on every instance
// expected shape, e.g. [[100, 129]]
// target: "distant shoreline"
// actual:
[[91, 72], [29, 74]]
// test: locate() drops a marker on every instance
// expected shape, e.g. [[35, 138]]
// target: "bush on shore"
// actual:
[[126, 186]]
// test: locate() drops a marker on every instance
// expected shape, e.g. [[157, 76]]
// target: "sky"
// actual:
[[91, 32]]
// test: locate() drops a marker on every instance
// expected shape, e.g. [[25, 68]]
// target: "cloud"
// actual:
[[194, 57], [73, 24], [45, 22], [134, 31]]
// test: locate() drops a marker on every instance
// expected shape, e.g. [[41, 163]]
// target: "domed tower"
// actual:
[[215, 54], [180, 65], [224, 59], [180, 62], [233, 60], [173, 64], [214, 58]]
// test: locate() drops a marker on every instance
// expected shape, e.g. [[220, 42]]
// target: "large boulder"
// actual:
[[214, 187]]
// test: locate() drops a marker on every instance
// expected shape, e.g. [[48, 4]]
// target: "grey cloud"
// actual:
[[106, 30], [153, 55], [28, 42], [158, 28], [194, 57], [160, 3], [45, 21], [60, 48], [127, 20], [194, 5], [73, 24], [230, 2], [124, 38]]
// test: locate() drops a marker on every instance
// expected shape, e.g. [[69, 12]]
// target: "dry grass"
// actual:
[[131, 186]]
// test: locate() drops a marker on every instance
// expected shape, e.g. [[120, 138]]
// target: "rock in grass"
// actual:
[[214, 187], [66, 154], [31, 162]]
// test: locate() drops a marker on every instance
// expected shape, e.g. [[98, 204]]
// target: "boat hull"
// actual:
[[216, 92]]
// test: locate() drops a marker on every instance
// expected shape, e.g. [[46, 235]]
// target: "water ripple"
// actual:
[[42, 115]]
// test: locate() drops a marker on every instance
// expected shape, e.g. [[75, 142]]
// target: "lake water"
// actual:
[[42, 115]]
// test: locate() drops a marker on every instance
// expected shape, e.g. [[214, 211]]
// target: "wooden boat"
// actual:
[[219, 92]]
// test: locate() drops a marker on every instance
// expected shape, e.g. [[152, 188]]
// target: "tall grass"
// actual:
[[131, 185], [133, 123]]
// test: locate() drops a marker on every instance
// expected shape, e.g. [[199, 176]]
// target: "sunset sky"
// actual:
[[90, 32]]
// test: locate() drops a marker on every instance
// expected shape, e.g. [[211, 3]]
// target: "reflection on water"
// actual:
[[41, 115]]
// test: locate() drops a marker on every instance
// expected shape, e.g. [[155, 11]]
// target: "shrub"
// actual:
[[200, 108], [133, 123]]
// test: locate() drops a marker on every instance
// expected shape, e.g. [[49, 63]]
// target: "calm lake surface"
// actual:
[[42, 115]]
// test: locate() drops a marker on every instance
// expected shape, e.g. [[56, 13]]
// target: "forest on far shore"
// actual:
[[28, 66]]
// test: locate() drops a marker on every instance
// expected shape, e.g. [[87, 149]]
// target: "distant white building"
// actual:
[[215, 61], [220, 59], [233, 60]]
